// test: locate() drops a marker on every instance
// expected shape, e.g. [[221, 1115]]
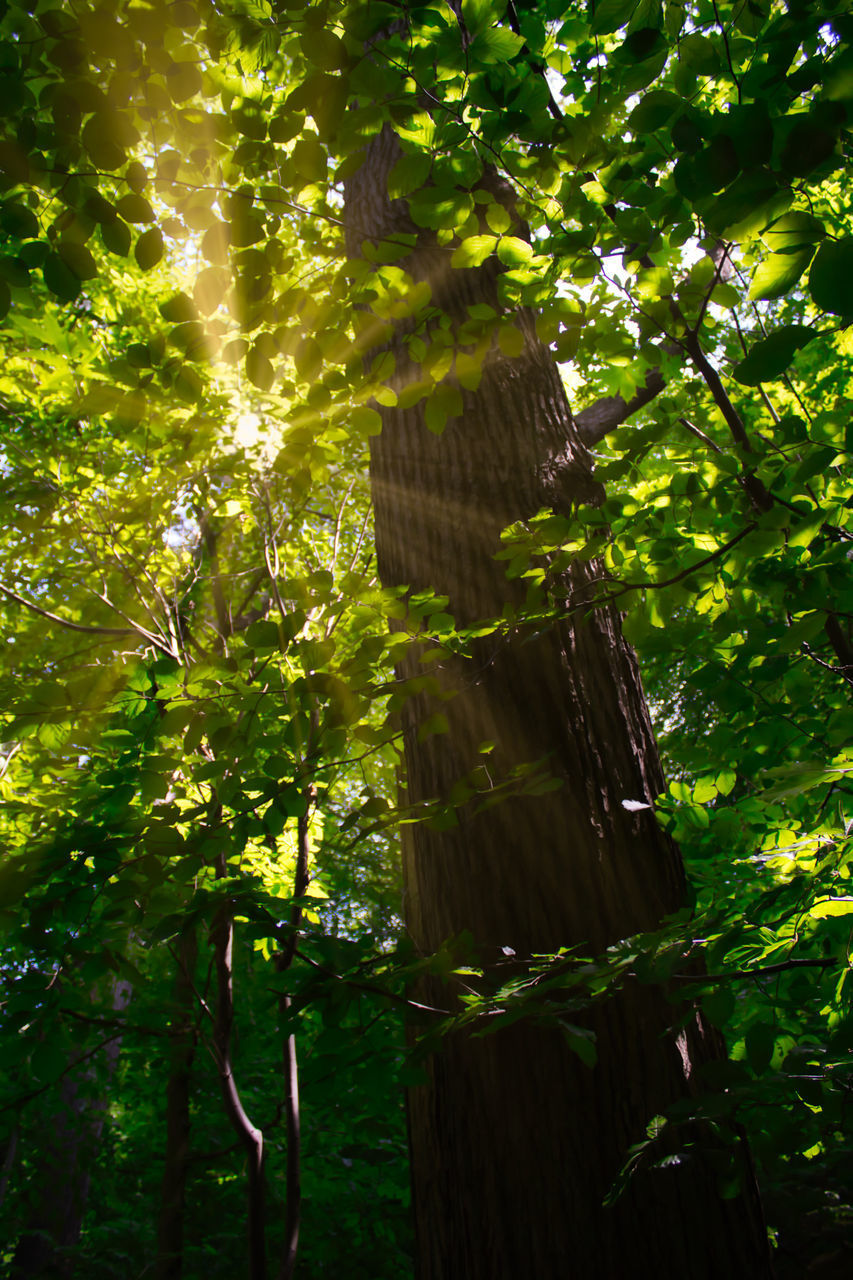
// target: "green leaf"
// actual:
[[473, 251], [794, 779], [831, 277], [178, 309], [33, 253], [746, 207], [15, 271], [263, 635], [104, 141], [191, 338], [148, 249], [309, 157], [444, 403], [760, 1043], [769, 358], [514, 252], [17, 220], [498, 218], [440, 207], [116, 236], [365, 421], [5, 299], [183, 80], [726, 780], [409, 174], [216, 242], [60, 279], [323, 48], [497, 44], [698, 53], [479, 14], [778, 274], [259, 369], [808, 144], [581, 1041], [210, 287], [78, 259], [705, 790], [654, 110], [793, 231], [284, 126], [135, 208], [247, 226], [751, 130], [139, 355], [832, 907], [719, 1005], [610, 15], [136, 176]]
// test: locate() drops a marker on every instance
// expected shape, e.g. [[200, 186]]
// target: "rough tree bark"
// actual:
[[61, 1181], [514, 1143], [173, 1189]]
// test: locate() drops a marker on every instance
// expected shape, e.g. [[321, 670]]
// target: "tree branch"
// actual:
[[64, 622], [594, 422], [824, 962], [251, 1138]]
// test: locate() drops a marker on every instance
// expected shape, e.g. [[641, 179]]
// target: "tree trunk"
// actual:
[[170, 1224], [62, 1183], [514, 1142], [251, 1138]]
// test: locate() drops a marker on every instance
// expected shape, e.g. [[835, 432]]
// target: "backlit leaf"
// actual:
[[770, 357], [473, 251], [78, 259], [148, 249], [830, 907], [60, 279], [116, 236], [778, 274], [831, 277], [259, 369]]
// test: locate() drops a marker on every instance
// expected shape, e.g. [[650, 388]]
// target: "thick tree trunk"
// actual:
[[514, 1142], [61, 1186], [173, 1191]]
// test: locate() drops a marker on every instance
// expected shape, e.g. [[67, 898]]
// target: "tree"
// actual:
[[571, 856], [66, 1155], [513, 183]]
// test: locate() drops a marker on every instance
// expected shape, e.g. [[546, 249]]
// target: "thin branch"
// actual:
[[24, 1098], [594, 422], [293, 1203], [64, 622], [122, 1023], [373, 989], [719, 255], [700, 435], [293, 1193], [251, 1138], [678, 577], [533, 62], [755, 488], [825, 962], [691, 345]]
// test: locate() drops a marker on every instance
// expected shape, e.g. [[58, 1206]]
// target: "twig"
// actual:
[[824, 962], [64, 622]]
